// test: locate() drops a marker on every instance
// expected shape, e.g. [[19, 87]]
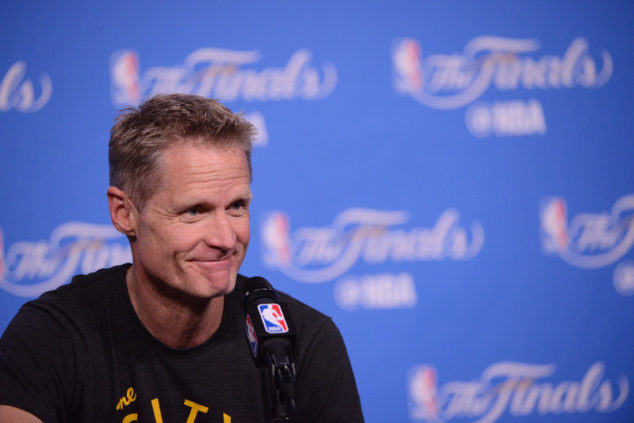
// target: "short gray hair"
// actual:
[[139, 136]]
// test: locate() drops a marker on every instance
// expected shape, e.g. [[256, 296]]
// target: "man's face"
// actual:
[[193, 233]]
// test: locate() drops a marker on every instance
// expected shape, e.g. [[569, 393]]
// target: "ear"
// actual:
[[123, 213]]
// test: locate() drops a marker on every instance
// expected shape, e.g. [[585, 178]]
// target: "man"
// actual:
[[162, 340]]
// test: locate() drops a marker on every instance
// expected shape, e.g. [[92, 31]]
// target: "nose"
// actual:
[[219, 232]]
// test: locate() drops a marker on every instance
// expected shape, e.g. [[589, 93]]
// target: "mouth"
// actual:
[[212, 263]]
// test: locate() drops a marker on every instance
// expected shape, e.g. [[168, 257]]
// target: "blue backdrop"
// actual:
[[450, 181]]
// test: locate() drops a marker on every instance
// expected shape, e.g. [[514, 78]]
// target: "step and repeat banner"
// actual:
[[451, 181]]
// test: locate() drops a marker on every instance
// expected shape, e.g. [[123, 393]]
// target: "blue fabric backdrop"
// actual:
[[451, 181]]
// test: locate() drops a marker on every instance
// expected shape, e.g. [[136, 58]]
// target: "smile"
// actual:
[[212, 265]]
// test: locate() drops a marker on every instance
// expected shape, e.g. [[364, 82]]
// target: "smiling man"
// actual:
[[162, 339]]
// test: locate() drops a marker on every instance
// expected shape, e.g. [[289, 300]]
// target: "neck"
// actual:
[[175, 321]]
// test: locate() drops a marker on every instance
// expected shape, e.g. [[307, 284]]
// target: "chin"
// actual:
[[209, 282], [229, 286], [212, 289]]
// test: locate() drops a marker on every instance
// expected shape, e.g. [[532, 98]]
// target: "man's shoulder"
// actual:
[[85, 294], [302, 308]]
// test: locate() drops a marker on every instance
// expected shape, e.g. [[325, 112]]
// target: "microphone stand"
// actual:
[[273, 351], [282, 380]]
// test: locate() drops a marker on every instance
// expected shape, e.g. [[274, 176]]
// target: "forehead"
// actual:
[[196, 160]]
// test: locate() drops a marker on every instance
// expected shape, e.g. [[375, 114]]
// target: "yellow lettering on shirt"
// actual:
[[127, 400], [130, 418], [156, 408], [195, 408]]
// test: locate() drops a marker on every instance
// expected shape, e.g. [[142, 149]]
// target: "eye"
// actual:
[[193, 211], [239, 206]]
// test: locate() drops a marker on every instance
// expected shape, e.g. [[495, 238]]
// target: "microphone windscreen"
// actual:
[[255, 288]]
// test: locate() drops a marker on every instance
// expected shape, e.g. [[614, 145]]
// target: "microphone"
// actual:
[[271, 335]]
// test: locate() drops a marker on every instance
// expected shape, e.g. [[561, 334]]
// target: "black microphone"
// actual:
[[271, 335]]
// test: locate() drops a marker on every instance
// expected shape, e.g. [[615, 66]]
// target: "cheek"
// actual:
[[170, 240], [186, 238], [243, 232]]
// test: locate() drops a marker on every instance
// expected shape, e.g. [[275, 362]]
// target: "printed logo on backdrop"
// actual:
[[27, 269], [515, 389], [488, 64], [370, 237], [19, 92], [591, 240], [226, 75]]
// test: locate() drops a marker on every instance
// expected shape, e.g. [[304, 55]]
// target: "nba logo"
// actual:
[[273, 318], [408, 73], [554, 231], [276, 239], [423, 396], [124, 78], [252, 336]]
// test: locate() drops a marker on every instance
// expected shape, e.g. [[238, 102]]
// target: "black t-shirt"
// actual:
[[79, 354]]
